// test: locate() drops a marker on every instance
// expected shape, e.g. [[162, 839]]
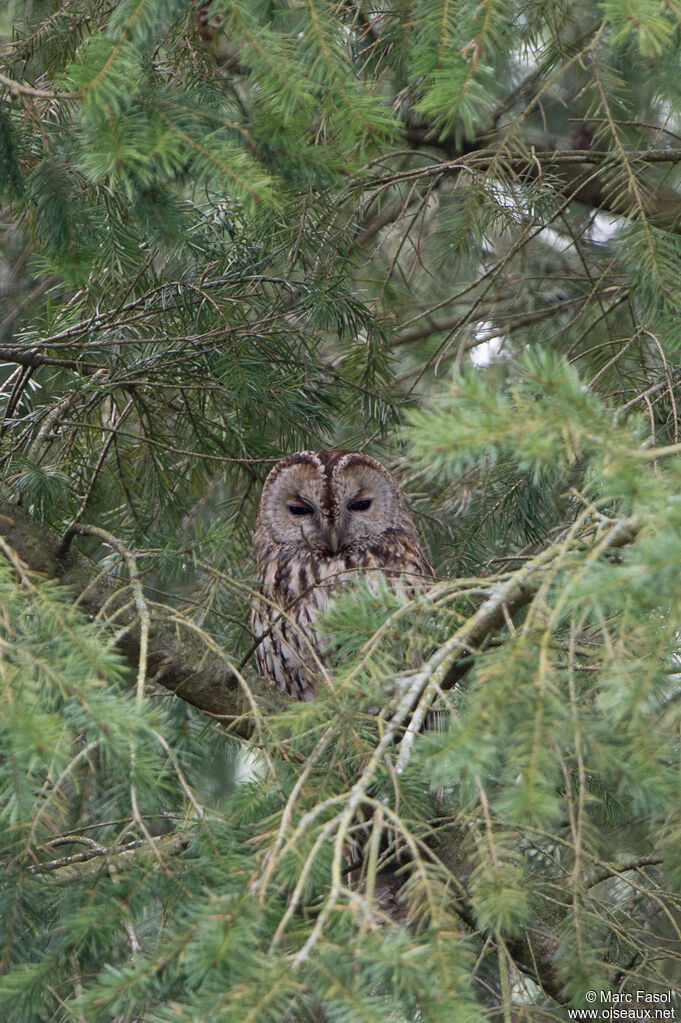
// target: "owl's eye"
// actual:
[[300, 509], [362, 505]]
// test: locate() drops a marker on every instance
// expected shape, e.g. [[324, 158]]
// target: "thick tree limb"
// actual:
[[577, 175], [177, 659], [573, 172], [534, 953], [181, 663]]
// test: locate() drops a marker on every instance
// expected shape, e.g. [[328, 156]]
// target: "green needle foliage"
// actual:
[[444, 232]]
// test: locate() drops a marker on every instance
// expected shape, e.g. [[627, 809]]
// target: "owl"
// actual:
[[326, 519]]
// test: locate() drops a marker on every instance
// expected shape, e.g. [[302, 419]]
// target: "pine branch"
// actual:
[[179, 662], [572, 172], [92, 861], [201, 677], [511, 597], [210, 689], [24, 356], [533, 953], [609, 870], [22, 89]]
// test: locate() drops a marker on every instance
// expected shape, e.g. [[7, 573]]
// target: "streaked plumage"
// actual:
[[325, 518]]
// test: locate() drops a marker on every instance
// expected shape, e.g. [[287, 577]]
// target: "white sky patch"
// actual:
[[603, 227], [250, 767], [557, 241], [490, 345]]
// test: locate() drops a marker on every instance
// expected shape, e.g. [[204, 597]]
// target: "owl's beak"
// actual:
[[332, 538]]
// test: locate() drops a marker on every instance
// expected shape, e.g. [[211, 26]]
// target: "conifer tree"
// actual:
[[445, 233]]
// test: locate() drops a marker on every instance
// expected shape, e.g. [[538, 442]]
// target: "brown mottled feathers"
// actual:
[[325, 519], [207, 24]]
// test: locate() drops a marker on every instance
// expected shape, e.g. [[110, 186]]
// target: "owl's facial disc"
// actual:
[[291, 504], [301, 512], [331, 509]]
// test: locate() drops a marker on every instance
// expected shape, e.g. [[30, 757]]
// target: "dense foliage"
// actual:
[[444, 232]]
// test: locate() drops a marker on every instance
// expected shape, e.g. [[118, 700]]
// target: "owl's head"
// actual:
[[332, 501]]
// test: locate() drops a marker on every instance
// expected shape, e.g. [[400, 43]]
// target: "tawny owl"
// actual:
[[326, 519]]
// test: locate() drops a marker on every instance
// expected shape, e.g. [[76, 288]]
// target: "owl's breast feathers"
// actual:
[[300, 583]]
